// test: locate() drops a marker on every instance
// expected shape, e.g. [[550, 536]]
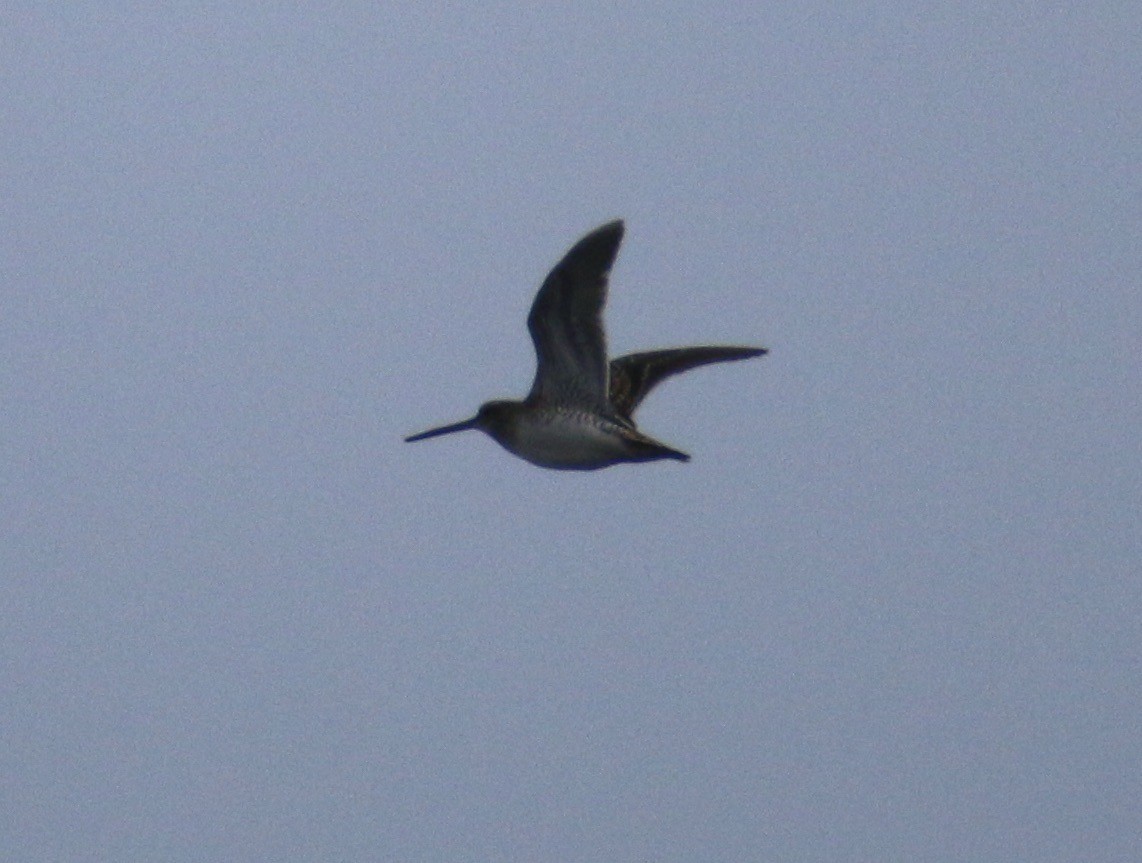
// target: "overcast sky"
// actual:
[[892, 610]]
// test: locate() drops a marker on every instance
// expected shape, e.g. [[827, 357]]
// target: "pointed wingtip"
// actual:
[[593, 254], [599, 246], [743, 352], [606, 238]]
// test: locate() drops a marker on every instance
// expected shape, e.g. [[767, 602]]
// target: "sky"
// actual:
[[891, 610]]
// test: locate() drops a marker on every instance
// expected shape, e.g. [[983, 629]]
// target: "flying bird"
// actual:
[[579, 414]]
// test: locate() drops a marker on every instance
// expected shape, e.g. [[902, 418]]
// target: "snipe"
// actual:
[[579, 413]]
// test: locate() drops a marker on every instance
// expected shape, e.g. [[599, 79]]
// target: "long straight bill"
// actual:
[[455, 427]]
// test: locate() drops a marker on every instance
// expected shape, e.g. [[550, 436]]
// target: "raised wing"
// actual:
[[635, 375], [566, 324]]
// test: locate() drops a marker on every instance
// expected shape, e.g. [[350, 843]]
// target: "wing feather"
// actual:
[[633, 376], [566, 324]]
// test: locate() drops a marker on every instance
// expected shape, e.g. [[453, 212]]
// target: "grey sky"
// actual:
[[890, 611]]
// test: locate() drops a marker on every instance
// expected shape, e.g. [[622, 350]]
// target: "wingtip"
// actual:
[[614, 229], [596, 251], [743, 352]]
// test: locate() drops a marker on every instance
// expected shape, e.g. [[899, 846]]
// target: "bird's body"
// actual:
[[567, 438], [579, 413]]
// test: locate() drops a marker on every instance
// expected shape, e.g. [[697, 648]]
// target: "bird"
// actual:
[[579, 414]]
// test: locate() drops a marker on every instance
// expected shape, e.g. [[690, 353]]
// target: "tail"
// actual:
[[641, 447]]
